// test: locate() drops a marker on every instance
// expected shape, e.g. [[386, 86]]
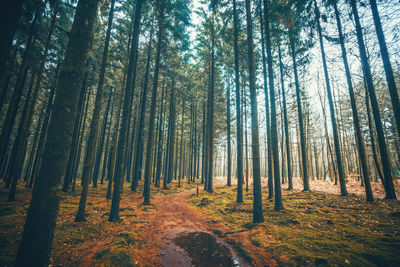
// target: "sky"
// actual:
[[195, 19]]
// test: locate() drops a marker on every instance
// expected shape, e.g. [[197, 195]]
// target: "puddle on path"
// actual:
[[201, 249]]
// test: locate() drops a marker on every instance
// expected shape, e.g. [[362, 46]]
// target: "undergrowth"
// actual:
[[313, 229], [92, 242]]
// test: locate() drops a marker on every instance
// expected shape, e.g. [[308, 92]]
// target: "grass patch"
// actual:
[[113, 257]]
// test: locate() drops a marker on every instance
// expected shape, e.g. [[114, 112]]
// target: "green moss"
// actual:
[[102, 253], [113, 257], [218, 232], [71, 232], [315, 228], [249, 225], [129, 238], [256, 240], [239, 248], [288, 222]]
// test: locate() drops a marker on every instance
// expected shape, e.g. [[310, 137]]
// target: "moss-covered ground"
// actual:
[[95, 242], [314, 228]]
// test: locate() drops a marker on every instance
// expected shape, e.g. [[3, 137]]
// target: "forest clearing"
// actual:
[[199, 133]]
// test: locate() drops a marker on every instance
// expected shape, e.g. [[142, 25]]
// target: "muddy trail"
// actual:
[[178, 235]]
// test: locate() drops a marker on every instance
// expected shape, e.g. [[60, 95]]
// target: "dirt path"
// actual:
[[172, 218]]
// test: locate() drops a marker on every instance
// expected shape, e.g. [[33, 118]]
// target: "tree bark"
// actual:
[[286, 123], [9, 19], [306, 186], [210, 110], [342, 180], [228, 132], [37, 238], [18, 89], [390, 193], [257, 198], [130, 84], [139, 131], [274, 133], [394, 96], [94, 127], [239, 127], [150, 137], [356, 121], [99, 153]]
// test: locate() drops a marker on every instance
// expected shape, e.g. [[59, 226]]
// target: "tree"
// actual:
[[388, 179], [356, 120], [9, 19], [228, 130], [257, 198], [36, 244], [285, 120], [239, 127], [306, 186], [94, 127], [130, 85], [150, 137], [211, 104], [342, 181], [267, 109], [387, 65], [139, 132], [274, 133]]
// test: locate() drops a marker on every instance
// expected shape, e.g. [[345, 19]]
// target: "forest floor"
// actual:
[[315, 228]]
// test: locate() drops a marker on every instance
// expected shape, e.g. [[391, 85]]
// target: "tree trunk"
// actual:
[[113, 151], [356, 121], [390, 193], [99, 153], [306, 186], [43, 133], [246, 136], [160, 141], [23, 143], [18, 153], [18, 90], [107, 147], [94, 127], [228, 132], [211, 104], [267, 110], [171, 134], [286, 123], [239, 127], [394, 96], [257, 198], [342, 180], [130, 84], [37, 238], [150, 137], [274, 133], [138, 146], [9, 19]]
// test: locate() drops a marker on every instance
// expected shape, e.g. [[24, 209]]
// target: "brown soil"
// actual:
[[173, 217]]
